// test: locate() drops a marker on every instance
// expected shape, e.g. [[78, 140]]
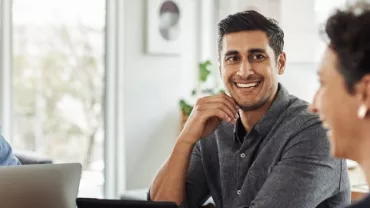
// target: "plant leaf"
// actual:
[[204, 70], [222, 90], [185, 107]]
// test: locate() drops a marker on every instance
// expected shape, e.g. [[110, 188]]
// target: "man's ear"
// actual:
[[219, 67], [281, 63]]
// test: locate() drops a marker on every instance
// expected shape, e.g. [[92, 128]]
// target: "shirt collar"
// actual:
[[268, 120], [239, 130]]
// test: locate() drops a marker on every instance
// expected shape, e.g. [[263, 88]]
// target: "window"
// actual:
[[58, 84]]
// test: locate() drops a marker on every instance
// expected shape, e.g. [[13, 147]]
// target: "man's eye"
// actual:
[[231, 59], [258, 57]]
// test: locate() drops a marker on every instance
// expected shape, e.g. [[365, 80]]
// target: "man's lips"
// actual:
[[247, 84]]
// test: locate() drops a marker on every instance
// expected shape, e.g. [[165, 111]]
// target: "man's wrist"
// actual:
[[187, 139], [183, 144]]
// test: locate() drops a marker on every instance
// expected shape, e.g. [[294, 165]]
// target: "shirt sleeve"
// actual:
[[196, 189], [7, 157], [306, 175]]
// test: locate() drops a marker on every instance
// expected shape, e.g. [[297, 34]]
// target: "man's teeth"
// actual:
[[254, 84]]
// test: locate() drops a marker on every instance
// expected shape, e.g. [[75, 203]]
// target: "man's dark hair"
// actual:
[[348, 32], [252, 20]]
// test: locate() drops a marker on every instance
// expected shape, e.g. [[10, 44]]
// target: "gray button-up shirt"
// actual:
[[283, 162]]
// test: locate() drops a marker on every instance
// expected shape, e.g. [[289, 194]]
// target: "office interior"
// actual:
[[100, 82]]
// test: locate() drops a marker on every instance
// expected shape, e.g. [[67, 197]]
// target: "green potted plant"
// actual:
[[205, 71]]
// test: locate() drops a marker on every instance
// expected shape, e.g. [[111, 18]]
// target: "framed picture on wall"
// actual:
[[163, 27]]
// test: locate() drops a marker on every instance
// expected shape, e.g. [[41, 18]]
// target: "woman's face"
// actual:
[[337, 108]]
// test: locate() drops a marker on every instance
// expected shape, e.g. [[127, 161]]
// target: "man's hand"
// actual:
[[207, 114]]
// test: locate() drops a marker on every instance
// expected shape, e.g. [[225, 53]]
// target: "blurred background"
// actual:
[[109, 83]]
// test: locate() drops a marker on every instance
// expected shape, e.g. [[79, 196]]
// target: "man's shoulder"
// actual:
[[302, 125], [298, 127], [298, 116]]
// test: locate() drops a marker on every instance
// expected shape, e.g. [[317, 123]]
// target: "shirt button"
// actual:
[[242, 155], [239, 192]]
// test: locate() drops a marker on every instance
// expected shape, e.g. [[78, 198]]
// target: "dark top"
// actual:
[[284, 162], [365, 203]]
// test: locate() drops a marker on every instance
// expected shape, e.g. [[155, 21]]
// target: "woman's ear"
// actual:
[[362, 92], [366, 90], [281, 63]]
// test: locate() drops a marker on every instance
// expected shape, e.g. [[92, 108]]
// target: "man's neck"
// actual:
[[250, 118]]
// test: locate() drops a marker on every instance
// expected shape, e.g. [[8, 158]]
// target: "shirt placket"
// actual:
[[244, 155], [241, 156]]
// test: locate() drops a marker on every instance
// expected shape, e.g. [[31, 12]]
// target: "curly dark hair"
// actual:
[[348, 33], [252, 20]]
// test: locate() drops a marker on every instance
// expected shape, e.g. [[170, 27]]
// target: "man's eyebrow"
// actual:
[[252, 50], [232, 52], [257, 50]]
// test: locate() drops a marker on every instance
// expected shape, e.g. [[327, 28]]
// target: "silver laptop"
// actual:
[[40, 186]]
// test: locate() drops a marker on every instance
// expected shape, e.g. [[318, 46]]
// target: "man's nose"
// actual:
[[245, 69]]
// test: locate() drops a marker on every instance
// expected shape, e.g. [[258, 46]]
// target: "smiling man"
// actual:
[[257, 146]]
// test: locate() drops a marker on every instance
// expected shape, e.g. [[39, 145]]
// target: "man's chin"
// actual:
[[250, 106]]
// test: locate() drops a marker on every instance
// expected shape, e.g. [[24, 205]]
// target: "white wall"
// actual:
[[153, 87], [300, 80]]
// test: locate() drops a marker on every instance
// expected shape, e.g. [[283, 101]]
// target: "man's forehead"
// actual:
[[252, 35], [245, 40]]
